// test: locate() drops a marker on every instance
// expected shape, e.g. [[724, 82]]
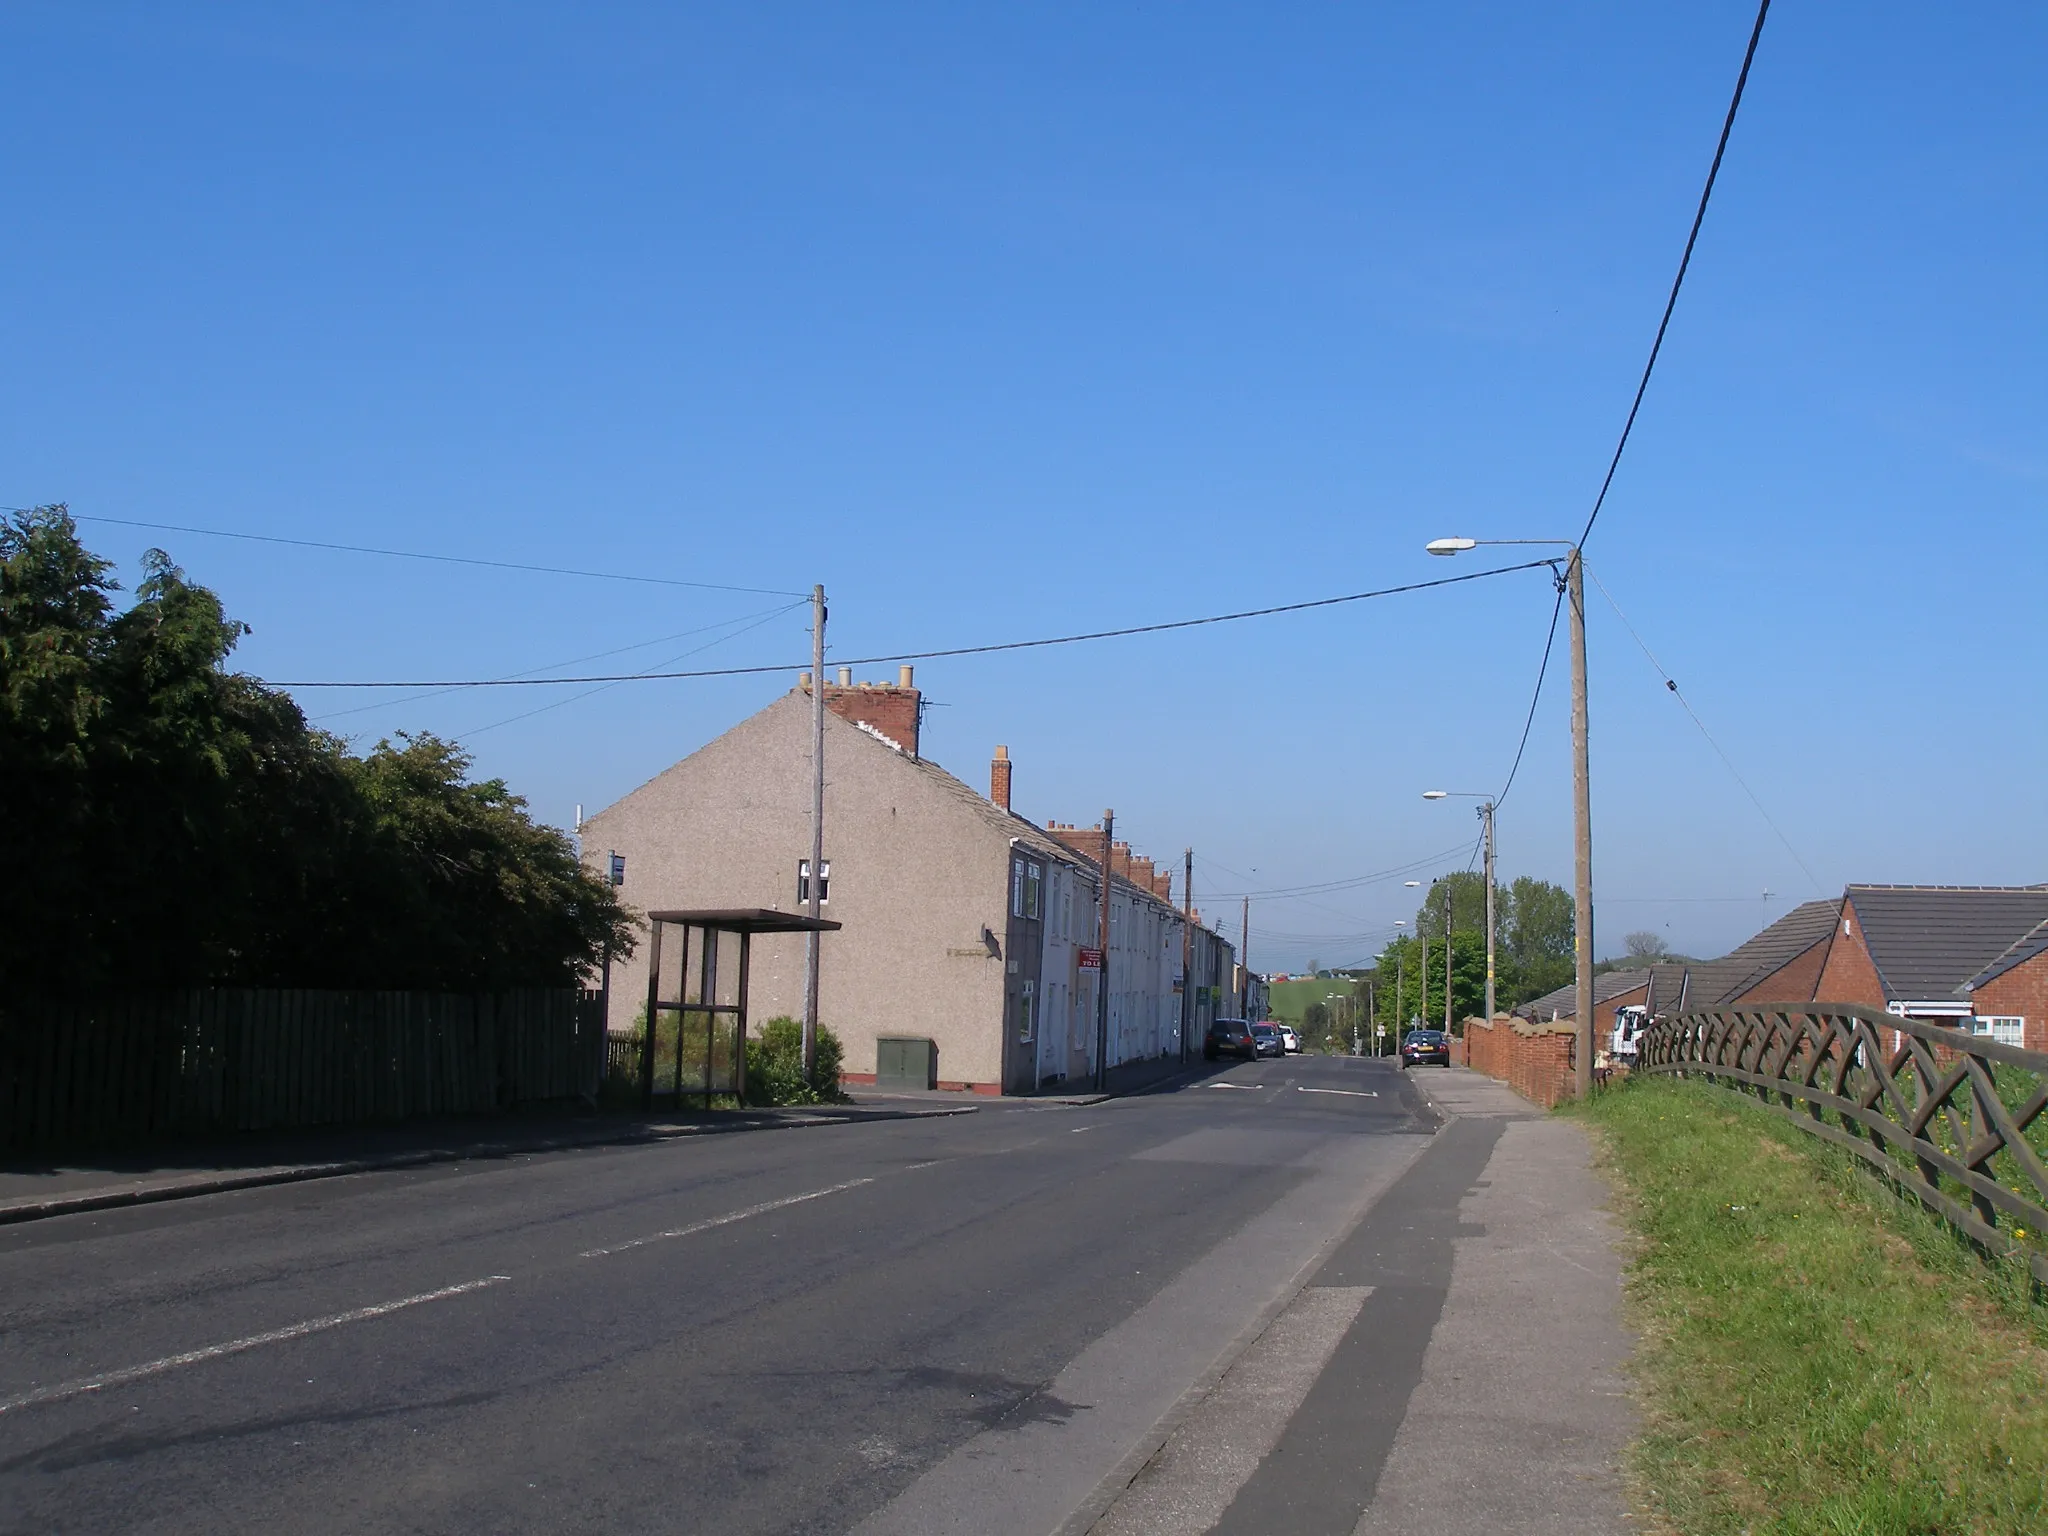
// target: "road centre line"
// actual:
[[726, 1220], [1242, 1087], [121, 1378], [1349, 1093]]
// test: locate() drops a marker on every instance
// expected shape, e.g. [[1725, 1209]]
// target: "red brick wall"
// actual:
[[2022, 990], [1794, 981], [1534, 1061], [884, 706], [1848, 976]]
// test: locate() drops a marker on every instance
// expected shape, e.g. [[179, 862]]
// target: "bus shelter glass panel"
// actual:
[[696, 1013]]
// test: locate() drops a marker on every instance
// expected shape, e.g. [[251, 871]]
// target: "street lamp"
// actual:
[[1422, 1000], [1486, 816], [1574, 584]]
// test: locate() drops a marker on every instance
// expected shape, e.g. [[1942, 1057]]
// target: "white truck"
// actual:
[[1630, 1020]]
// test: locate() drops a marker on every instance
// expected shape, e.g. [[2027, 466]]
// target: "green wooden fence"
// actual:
[[77, 1071]]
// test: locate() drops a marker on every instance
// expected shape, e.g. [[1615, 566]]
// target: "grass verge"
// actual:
[[1816, 1356]]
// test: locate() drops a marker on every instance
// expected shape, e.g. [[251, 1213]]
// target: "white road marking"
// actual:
[[1349, 1093], [1247, 1087], [723, 1221], [912, 1168], [1077, 1130], [121, 1378]]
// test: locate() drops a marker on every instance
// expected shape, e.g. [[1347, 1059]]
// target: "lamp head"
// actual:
[[1450, 546], [1436, 794], [1411, 884]]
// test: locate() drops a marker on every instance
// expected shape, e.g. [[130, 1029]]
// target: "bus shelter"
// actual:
[[696, 1037]]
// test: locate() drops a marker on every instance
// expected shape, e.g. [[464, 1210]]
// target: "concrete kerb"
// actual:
[[186, 1187]]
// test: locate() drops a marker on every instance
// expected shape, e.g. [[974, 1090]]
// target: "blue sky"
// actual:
[[1010, 321]]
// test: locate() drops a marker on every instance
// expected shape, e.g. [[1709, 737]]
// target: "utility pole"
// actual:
[[1102, 975], [1187, 951], [817, 880], [1400, 965], [1372, 1014], [1447, 958], [1582, 824], [1486, 814], [1244, 962]]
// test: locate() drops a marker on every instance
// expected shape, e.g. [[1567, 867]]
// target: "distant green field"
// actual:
[[1290, 999]]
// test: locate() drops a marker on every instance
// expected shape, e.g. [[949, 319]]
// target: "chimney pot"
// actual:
[[903, 676], [846, 677], [803, 681]]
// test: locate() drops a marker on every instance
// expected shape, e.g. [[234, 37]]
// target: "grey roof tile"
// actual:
[[1929, 941], [1714, 982]]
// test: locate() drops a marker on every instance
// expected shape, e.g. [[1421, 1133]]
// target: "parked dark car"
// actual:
[[1268, 1040], [1426, 1045], [1230, 1037]]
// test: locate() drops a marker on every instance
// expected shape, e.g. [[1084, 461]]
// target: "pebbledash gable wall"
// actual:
[[2022, 991], [916, 877]]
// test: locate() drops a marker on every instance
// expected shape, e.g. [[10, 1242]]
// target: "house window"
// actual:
[[803, 882], [2005, 1028], [1027, 888], [1027, 1015]]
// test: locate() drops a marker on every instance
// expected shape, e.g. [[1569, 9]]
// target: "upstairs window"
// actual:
[[1027, 888], [803, 882]]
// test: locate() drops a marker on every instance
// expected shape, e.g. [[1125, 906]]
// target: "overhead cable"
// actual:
[[1671, 687], [1670, 304], [749, 621], [1542, 670], [960, 650], [759, 620], [411, 554]]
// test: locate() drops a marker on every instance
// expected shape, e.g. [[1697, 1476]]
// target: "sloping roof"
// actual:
[[1929, 941], [2022, 949], [1607, 986], [1715, 982], [1027, 834]]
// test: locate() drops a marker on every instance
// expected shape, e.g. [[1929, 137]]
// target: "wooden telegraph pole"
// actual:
[[817, 882], [1187, 951]]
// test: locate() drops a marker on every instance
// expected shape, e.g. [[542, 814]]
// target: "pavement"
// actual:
[[1294, 1296]]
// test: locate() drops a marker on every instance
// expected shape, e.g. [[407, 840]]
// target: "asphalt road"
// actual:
[[985, 1323]]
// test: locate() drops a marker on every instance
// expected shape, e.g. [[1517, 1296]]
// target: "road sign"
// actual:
[[1091, 959]]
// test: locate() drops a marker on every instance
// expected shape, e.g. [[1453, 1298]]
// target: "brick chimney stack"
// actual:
[[999, 778], [889, 710]]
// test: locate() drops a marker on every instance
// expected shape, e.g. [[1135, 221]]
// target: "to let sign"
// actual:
[[1091, 959]]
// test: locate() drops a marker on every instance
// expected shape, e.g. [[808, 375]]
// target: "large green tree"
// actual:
[[173, 822]]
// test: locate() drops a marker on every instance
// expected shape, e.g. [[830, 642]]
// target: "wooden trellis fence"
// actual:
[[83, 1071], [1951, 1118]]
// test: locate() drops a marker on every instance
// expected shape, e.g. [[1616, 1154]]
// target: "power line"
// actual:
[[1671, 686], [1542, 671], [607, 687], [1329, 886], [409, 554], [1699, 217], [961, 650], [748, 620]]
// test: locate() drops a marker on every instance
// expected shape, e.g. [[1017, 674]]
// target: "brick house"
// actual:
[[962, 922], [2009, 997], [1920, 950], [1975, 957]]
